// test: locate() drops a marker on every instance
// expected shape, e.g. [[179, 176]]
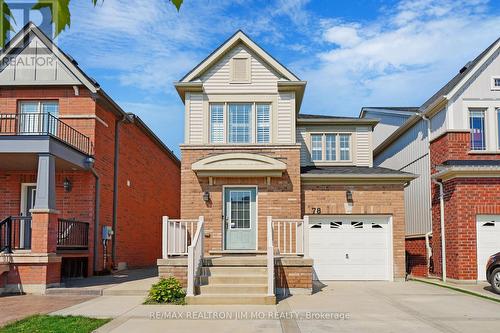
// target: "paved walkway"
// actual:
[[339, 306], [479, 288], [17, 307]]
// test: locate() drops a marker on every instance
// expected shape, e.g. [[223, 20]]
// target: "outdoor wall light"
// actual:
[[348, 195], [206, 196], [67, 185]]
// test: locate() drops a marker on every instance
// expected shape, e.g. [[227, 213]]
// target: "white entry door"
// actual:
[[351, 247], [488, 241]]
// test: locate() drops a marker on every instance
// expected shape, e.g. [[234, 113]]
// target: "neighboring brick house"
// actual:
[[71, 162], [453, 141], [254, 168]]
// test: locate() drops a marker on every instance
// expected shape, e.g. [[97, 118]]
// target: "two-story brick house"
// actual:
[[270, 182], [452, 142], [71, 162]]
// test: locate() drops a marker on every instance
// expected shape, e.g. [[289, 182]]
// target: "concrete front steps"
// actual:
[[234, 279]]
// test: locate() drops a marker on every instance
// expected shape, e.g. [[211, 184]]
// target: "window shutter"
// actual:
[[240, 69]]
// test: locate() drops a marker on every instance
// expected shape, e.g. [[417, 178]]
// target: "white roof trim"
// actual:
[[32, 28], [237, 164], [224, 48], [472, 72]]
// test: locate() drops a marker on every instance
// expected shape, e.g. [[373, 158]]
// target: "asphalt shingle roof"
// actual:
[[351, 170]]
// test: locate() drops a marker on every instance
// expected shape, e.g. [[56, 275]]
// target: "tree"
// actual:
[[61, 16]]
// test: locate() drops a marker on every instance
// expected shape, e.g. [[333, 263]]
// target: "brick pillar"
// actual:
[[43, 232]]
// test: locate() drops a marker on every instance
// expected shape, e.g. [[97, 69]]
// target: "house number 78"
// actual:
[[316, 211]]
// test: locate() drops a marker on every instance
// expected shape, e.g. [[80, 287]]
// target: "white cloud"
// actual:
[[402, 58], [343, 35]]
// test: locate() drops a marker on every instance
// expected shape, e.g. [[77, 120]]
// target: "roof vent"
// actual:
[[463, 69]]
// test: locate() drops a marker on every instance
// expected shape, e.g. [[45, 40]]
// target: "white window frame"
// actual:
[[39, 105], [265, 124], [211, 123], [493, 86], [485, 137], [253, 123], [497, 112], [337, 147]]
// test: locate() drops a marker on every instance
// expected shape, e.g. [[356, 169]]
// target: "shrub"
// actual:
[[167, 290]]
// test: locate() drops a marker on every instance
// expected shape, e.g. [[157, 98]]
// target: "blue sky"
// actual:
[[352, 53]]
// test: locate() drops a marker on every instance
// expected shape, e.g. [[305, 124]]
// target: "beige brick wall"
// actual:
[[367, 199], [280, 199]]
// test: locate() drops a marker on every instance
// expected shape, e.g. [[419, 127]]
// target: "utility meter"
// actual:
[[107, 232]]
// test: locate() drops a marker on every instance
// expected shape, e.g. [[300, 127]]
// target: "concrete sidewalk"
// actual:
[[357, 306]]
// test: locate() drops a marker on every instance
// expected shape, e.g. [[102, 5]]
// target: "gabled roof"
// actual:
[[218, 53], [21, 40], [461, 76]]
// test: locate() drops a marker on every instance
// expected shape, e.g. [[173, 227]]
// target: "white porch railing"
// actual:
[[270, 257], [195, 256], [291, 236], [177, 236]]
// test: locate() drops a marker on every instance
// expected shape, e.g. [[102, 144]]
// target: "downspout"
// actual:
[[90, 165], [443, 238], [428, 248], [115, 188]]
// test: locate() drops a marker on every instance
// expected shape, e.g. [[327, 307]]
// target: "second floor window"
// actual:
[[240, 123], [263, 123], [498, 126], [217, 123], [38, 117], [478, 134], [330, 147]]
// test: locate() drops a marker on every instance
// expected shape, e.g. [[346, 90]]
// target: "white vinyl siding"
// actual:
[[217, 123], [195, 121], [286, 117], [498, 127], [218, 79], [240, 120], [263, 123]]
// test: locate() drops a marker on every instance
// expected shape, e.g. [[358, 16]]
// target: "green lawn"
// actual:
[[54, 324]]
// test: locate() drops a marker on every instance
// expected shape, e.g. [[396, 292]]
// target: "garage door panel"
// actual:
[[350, 248], [488, 241]]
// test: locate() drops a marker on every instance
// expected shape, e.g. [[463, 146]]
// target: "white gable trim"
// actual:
[[32, 28], [469, 75], [224, 48]]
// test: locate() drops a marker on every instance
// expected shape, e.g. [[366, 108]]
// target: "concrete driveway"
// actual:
[[338, 307]]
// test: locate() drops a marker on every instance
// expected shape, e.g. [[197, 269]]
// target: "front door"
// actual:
[[240, 218]]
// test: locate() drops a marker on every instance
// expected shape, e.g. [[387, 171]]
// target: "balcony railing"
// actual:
[[72, 235], [44, 124], [15, 234]]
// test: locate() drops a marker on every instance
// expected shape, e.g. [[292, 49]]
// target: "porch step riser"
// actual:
[[231, 300], [221, 270], [234, 279], [232, 289], [251, 261]]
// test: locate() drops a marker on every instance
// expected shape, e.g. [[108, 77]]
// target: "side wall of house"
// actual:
[[149, 188]]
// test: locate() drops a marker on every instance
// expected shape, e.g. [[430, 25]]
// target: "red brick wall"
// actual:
[[154, 191], [465, 198], [455, 146], [367, 199], [416, 256], [280, 199]]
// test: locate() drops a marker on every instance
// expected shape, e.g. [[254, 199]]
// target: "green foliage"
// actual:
[[167, 290], [5, 19], [60, 15], [54, 324]]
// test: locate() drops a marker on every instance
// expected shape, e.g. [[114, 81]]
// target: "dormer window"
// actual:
[[495, 83], [331, 147], [240, 70]]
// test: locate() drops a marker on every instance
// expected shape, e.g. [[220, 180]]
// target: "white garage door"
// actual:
[[351, 247], [488, 241]]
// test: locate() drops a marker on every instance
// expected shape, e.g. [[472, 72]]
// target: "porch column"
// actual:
[[44, 214]]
